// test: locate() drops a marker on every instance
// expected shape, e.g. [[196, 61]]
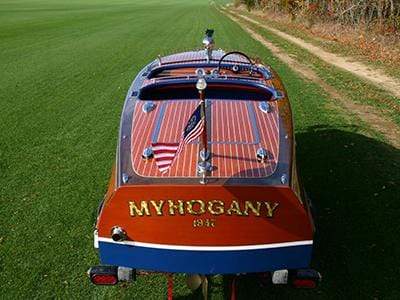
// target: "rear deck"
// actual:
[[236, 127], [237, 130]]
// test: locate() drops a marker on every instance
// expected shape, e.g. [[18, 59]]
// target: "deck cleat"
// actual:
[[148, 106], [262, 155], [148, 153]]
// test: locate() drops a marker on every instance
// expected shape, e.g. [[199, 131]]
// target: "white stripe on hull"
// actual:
[[209, 248]]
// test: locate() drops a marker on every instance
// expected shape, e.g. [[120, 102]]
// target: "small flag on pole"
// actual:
[[165, 153]]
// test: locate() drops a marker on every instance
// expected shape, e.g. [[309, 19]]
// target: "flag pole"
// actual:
[[204, 133], [201, 86], [204, 166]]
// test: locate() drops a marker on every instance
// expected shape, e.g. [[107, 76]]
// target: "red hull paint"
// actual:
[[290, 222]]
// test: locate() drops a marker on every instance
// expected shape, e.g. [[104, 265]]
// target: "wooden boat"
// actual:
[[231, 201]]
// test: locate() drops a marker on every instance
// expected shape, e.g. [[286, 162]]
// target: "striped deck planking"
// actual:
[[238, 129]]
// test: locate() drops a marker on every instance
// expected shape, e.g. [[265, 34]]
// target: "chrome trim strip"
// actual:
[[157, 128], [253, 121]]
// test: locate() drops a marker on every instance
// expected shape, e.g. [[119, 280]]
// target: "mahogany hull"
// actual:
[[249, 217], [243, 229]]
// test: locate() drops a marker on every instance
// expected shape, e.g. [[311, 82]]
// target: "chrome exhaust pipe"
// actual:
[[118, 234]]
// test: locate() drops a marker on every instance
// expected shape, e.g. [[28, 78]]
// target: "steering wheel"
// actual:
[[235, 68]]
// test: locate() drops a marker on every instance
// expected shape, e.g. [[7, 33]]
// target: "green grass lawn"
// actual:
[[65, 67]]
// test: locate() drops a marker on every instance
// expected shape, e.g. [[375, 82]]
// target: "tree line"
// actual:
[[383, 14]]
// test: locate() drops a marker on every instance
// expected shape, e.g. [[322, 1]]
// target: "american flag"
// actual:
[[165, 153]]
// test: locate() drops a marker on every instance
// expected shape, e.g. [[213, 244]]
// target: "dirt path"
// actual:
[[375, 76], [386, 127]]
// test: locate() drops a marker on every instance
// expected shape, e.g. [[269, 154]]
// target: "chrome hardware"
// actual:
[[284, 179], [200, 73], [253, 69], [280, 276], [235, 68], [96, 239], [265, 107], [148, 106], [208, 43], [125, 274], [203, 168], [201, 84], [125, 177], [118, 234], [159, 60], [214, 73], [148, 153], [262, 155], [278, 95], [204, 155], [208, 54]]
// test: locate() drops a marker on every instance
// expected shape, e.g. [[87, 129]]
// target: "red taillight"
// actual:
[[104, 279], [103, 275], [304, 283], [306, 278]]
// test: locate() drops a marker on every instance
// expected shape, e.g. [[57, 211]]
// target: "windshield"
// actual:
[[216, 89]]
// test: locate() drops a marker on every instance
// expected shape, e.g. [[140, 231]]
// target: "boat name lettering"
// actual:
[[200, 207]]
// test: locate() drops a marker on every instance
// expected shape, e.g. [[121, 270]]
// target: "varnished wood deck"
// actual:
[[237, 130]]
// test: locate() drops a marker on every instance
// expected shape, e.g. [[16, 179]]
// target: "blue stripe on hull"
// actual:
[[205, 262]]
